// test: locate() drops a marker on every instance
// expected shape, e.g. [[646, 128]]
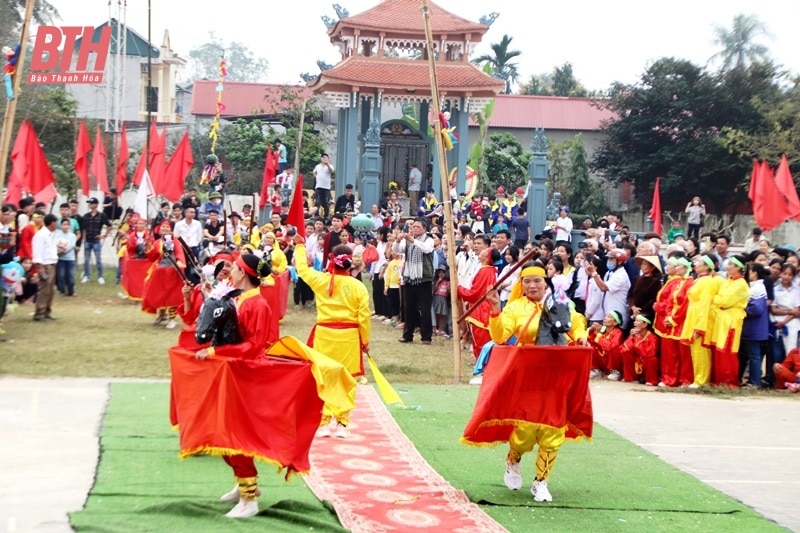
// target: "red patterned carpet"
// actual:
[[378, 482]]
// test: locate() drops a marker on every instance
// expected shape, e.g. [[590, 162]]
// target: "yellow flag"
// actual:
[[388, 393]]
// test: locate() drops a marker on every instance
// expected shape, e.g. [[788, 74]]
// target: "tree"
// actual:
[[739, 49], [669, 125], [541, 85], [11, 17], [778, 104], [560, 82], [584, 195], [242, 65], [507, 163], [478, 160], [558, 158], [499, 62]]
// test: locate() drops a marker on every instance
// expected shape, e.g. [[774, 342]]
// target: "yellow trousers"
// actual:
[[549, 440], [701, 362]]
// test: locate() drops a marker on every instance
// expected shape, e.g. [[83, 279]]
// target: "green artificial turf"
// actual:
[[141, 484], [609, 484]]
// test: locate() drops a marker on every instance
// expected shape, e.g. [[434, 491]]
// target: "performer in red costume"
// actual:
[[253, 312], [533, 392], [138, 245], [671, 305], [484, 279], [640, 353], [162, 290], [193, 297], [606, 338]]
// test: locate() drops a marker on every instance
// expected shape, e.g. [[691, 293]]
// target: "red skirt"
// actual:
[[162, 289], [267, 408], [527, 385], [134, 273]]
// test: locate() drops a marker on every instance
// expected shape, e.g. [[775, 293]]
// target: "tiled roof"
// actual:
[[548, 112], [241, 99], [406, 16], [399, 74]]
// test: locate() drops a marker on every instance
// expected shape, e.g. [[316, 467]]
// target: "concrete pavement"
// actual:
[[747, 448]]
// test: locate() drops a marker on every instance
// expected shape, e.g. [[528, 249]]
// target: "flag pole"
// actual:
[[11, 106], [298, 143], [448, 206]]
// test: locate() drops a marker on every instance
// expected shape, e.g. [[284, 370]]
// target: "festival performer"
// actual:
[[670, 307], [484, 279], [138, 244], [640, 353], [606, 339], [552, 403], [699, 322], [729, 311], [343, 326], [163, 286], [220, 267], [252, 312]]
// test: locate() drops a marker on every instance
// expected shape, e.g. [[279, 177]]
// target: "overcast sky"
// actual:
[[605, 41]]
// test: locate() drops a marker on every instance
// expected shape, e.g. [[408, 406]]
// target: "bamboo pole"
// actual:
[[448, 206], [11, 106], [298, 144]]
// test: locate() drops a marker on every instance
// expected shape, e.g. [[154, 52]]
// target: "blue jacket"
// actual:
[[756, 323]]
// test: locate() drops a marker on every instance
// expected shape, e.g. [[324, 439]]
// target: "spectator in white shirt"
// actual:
[[45, 257], [564, 226], [191, 230]]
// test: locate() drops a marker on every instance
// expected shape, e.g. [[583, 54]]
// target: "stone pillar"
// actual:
[[537, 188], [462, 129], [369, 189], [347, 147]]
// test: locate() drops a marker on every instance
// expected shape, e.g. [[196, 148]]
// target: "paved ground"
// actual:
[[746, 448]]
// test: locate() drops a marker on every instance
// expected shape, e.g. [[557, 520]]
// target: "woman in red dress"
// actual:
[[163, 286], [252, 313]]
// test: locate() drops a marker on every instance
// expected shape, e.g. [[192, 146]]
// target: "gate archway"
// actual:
[[402, 145]]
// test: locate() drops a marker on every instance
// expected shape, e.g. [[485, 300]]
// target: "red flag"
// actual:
[[147, 157], [82, 149], [180, 163], [769, 209], [39, 177], [751, 194], [98, 168], [158, 155], [269, 178], [295, 216], [785, 184], [19, 165], [655, 209], [122, 161]]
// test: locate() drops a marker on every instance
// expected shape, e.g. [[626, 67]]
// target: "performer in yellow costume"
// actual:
[[343, 326], [728, 308], [699, 321], [521, 318]]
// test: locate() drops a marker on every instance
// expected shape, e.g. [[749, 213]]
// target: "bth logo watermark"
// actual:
[[49, 65]]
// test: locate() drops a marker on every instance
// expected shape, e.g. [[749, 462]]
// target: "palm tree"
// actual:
[[499, 62], [738, 47], [11, 14]]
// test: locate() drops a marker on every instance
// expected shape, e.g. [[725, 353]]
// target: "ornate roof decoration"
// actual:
[[406, 16]]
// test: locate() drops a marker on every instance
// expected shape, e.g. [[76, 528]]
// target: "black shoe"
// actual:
[[51, 317], [38, 319], [426, 342], [404, 340]]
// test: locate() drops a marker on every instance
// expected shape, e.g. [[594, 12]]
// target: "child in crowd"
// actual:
[[391, 276], [441, 299]]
